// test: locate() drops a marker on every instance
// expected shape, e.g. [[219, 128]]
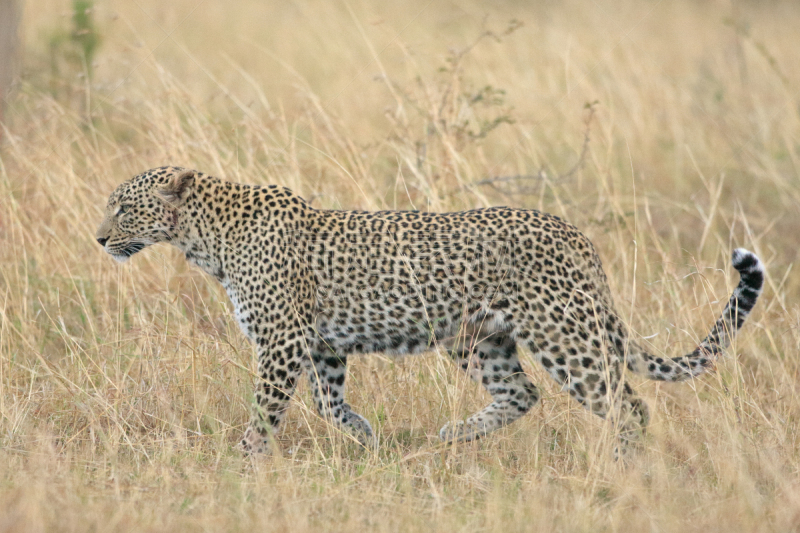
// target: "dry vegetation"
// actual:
[[124, 388]]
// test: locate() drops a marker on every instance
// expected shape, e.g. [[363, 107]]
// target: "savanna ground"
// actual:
[[668, 131]]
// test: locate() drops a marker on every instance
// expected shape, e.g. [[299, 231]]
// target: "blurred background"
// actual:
[[669, 132]]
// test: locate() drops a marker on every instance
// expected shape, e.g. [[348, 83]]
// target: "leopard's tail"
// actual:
[[751, 274]]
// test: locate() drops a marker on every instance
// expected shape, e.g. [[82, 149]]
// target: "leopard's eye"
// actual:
[[123, 209]]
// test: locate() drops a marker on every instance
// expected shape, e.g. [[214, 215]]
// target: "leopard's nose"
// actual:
[[102, 240]]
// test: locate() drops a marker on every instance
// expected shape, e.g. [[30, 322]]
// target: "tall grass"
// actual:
[[124, 388]]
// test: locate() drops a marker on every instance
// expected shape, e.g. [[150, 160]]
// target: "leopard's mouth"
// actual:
[[123, 254]]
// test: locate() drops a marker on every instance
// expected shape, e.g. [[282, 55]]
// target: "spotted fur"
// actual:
[[311, 287]]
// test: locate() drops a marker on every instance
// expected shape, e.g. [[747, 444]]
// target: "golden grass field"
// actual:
[[124, 388]]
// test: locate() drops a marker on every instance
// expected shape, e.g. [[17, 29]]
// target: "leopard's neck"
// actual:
[[219, 218]]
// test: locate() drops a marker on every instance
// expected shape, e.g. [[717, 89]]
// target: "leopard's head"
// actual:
[[144, 211]]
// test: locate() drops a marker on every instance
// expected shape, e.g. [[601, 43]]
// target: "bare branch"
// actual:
[[493, 182]]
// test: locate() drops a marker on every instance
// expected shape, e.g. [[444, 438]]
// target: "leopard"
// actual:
[[311, 287]]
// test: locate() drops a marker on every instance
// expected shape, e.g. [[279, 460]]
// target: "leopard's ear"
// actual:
[[177, 190]]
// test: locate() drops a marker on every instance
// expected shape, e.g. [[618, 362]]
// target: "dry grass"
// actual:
[[123, 389]]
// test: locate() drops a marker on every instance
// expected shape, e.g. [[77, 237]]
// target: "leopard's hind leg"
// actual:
[[512, 392], [587, 360]]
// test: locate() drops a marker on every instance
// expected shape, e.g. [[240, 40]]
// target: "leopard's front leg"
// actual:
[[280, 356], [327, 372]]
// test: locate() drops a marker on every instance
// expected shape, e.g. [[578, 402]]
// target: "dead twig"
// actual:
[[494, 181]]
